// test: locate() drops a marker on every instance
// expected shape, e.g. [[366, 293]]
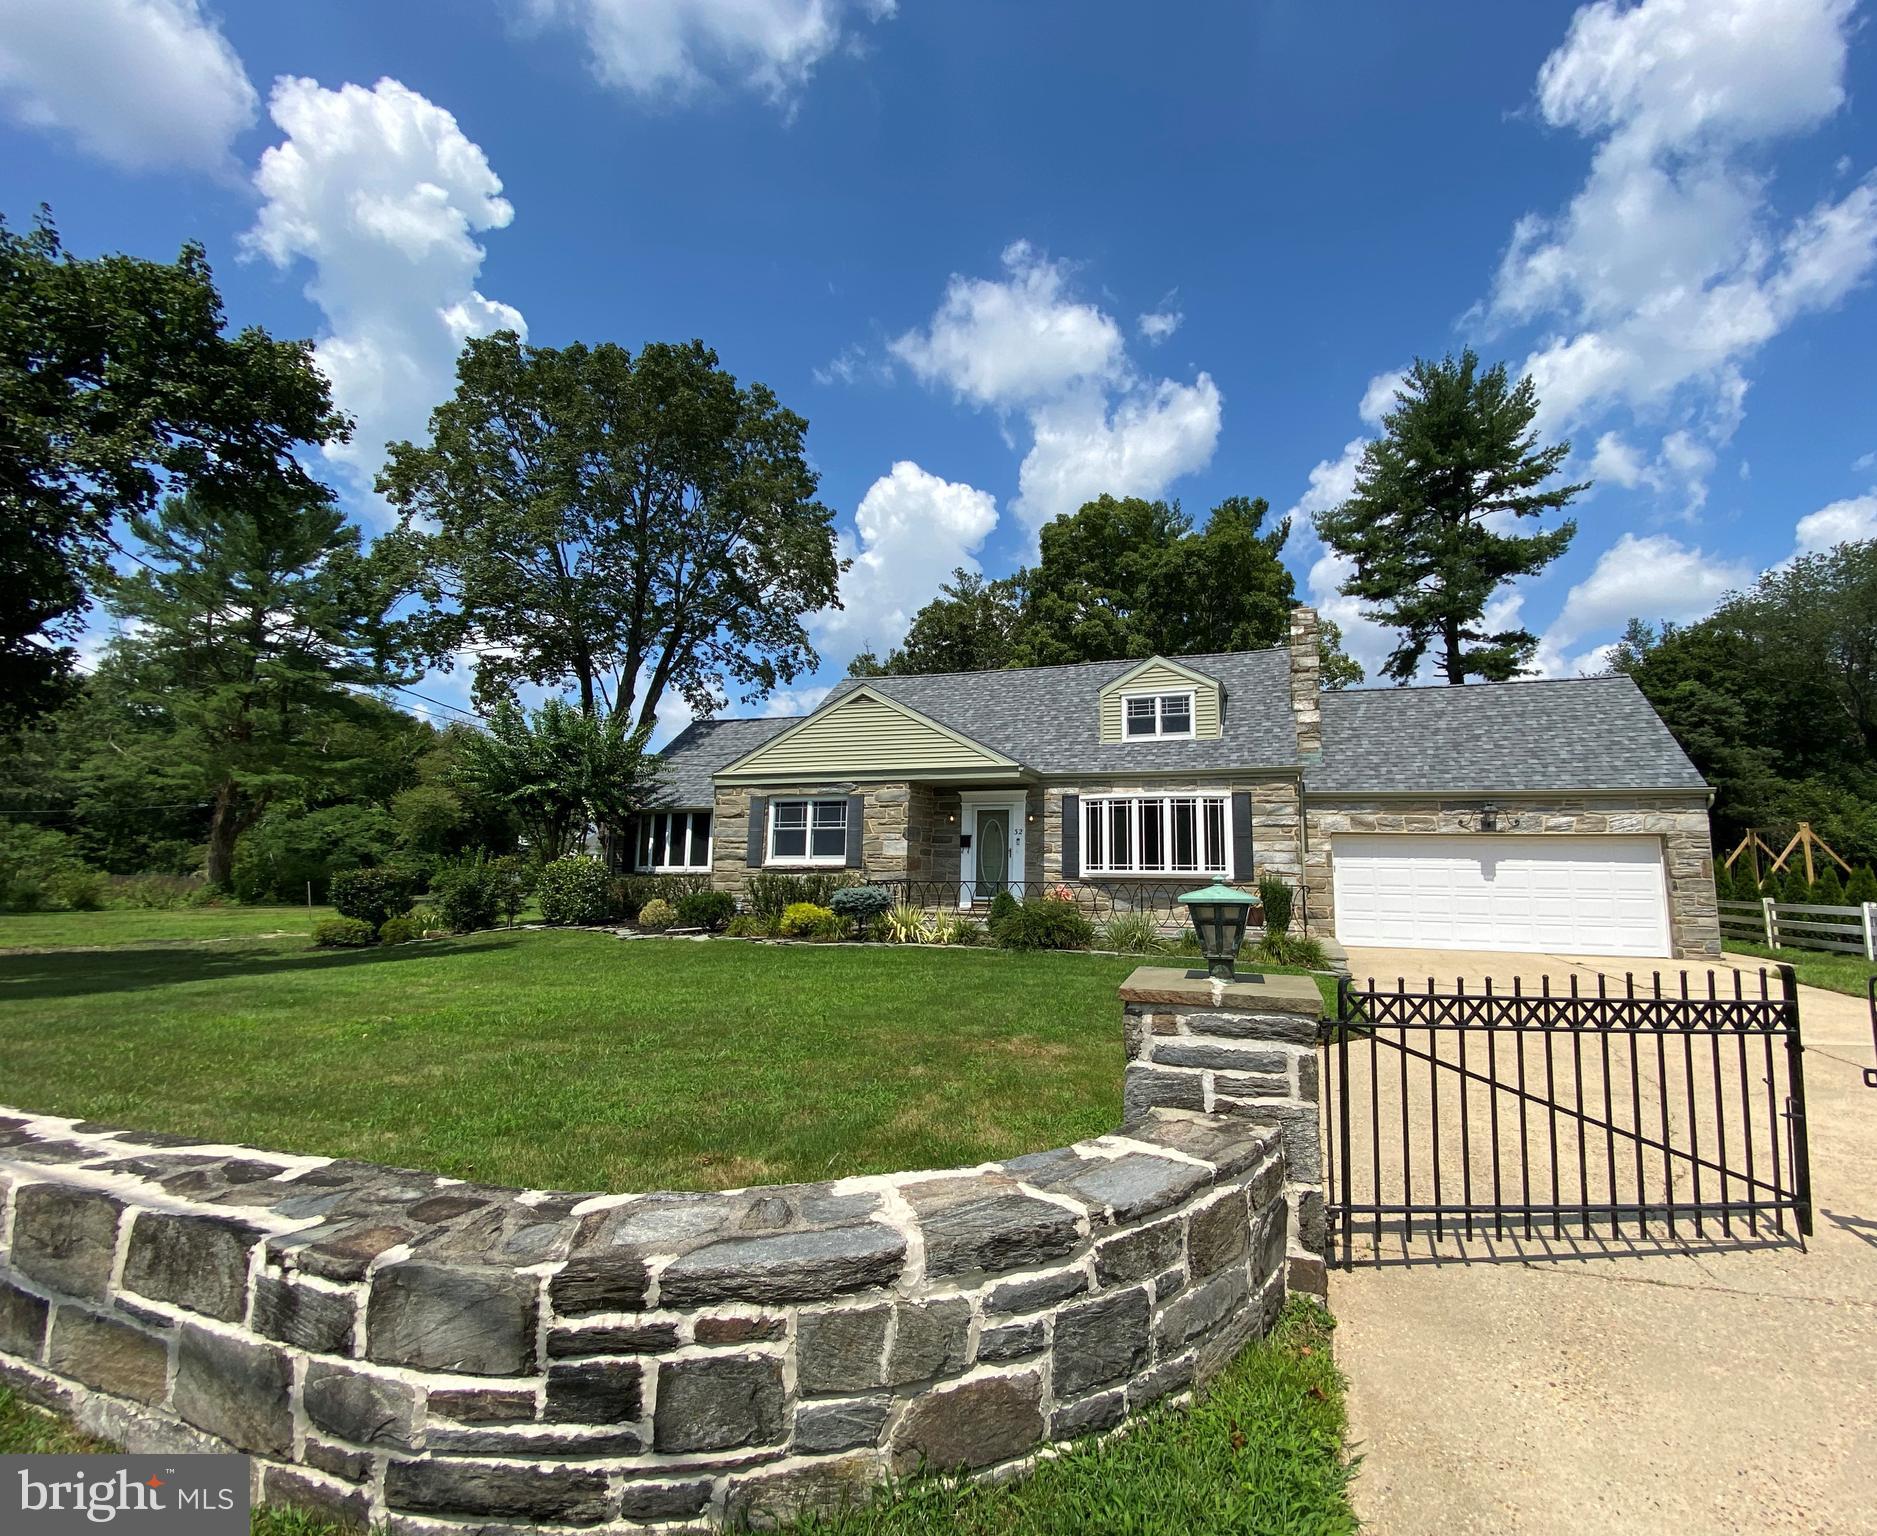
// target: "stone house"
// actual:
[[1549, 815]]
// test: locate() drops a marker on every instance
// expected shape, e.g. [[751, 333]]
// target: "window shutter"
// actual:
[[854, 839], [1072, 837], [758, 830], [1241, 835]]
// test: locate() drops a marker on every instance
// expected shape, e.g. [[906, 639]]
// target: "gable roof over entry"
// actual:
[[864, 731]]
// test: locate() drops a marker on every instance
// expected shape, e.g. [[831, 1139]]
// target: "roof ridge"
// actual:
[[1507, 682], [1069, 666]]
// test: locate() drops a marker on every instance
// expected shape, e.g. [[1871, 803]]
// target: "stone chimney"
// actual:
[[1306, 675]]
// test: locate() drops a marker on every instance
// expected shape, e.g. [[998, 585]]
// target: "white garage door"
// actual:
[[1564, 895]]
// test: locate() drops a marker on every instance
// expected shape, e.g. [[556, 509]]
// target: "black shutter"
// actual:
[[854, 839], [1072, 837], [1241, 836], [758, 830]]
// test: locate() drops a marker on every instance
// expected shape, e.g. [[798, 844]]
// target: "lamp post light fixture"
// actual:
[[1219, 914], [1489, 817]]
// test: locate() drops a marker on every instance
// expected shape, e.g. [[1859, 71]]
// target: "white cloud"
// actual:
[[1851, 521], [914, 529], [1651, 577], [140, 83], [1670, 267], [672, 49], [1863, 462], [1135, 446], [1158, 324], [1379, 398], [1616, 459], [785, 702], [1015, 341], [382, 193]]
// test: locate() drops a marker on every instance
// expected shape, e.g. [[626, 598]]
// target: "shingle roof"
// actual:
[[1046, 717], [703, 747], [1580, 733]]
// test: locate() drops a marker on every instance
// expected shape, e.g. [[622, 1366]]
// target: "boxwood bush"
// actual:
[[706, 909], [344, 933], [1047, 923], [371, 895], [573, 891], [657, 915], [468, 893]]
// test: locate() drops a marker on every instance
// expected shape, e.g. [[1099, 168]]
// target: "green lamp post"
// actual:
[[1219, 914]]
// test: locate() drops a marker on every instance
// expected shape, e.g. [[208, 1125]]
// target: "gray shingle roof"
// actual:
[[703, 747], [1580, 733], [1046, 717]]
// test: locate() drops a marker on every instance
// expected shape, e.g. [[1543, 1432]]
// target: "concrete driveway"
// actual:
[[1571, 1385]]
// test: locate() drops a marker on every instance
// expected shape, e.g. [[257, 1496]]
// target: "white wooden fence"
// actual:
[[1800, 925]]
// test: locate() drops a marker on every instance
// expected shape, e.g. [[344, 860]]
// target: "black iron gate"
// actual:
[[1465, 1112]]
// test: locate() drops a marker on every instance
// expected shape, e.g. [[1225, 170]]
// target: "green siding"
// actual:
[[863, 734], [1162, 677]]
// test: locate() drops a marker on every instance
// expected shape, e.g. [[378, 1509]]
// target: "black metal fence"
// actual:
[[1466, 1111]]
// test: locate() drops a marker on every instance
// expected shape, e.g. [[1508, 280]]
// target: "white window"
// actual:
[[808, 831], [669, 841], [1157, 714], [1157, 835]]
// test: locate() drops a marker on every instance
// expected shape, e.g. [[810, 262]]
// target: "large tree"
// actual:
[[624, 526], [1431, 527], [971, 626], [1774, 697], [118, 383], [251, 624]]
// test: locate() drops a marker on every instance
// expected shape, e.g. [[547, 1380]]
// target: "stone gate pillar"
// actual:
[[1246, 1047]]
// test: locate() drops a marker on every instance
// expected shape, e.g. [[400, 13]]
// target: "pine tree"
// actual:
[[1862, 886], [1724, 889], [1828, 889], [1426, 527]]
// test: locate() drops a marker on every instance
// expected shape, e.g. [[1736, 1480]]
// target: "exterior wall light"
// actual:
[[1489, 817], [1219, 914]]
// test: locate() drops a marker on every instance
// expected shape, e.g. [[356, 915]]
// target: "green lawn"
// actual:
[[561, 1059], [1817, 968], [1259, 1454]]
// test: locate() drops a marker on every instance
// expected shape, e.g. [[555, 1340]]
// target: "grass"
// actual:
[[1816, 968], [1259, 1454], [560, 1059], [139, 925]]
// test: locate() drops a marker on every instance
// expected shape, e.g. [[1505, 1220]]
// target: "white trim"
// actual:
[[710, 842], [1224, 870], [807, 859], [1016, 806], [1160, 732]]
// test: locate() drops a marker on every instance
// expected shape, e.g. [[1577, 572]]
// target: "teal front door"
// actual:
[[992, 845]]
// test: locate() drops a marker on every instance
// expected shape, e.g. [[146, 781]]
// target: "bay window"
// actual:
[[671, 841], [1157, 714], [1157, 835], [808, 831]]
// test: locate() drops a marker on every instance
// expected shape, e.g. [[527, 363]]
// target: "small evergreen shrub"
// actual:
[[370, 895], [657, 915], [1276, 898], [706, 909], [860, 904], [1046, 924], [626, 894], [573, 892], [344, 933], [1828, 889], [399, 930], [808, 920], [1132, 933], [1862, 886], [467, 893], [1003, 907]]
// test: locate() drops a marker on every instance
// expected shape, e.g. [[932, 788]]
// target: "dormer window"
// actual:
[[1157, 715]]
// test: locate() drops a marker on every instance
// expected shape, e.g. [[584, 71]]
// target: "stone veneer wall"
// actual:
[[886, 846], [1679, 820], [398, 1346], [1246, 1049]]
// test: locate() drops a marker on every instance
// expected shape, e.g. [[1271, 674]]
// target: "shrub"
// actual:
[[344, 933], [860, 904], [370, 895], [515, 877], [772, 894], [657, 915], [956, 929], [30, 859], [154, 892], [1003, 906], [906, 924], [1132, 933], [80, 890], [468, 893], [1047, 924], [807, 920], [706, 909], [747, 925], [1862, 886], [1828, 888], [573, 891], [399, 930], [626, 894], [425, 921], [1289, 949], [1276, 898]]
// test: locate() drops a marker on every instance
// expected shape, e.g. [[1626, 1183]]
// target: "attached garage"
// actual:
[[1558, 894]]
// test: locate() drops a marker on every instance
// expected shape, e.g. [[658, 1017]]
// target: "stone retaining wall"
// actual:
[[446, 1356]]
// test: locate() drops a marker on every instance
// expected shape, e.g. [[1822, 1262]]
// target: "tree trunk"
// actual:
[[1455, 667], [224, 828]]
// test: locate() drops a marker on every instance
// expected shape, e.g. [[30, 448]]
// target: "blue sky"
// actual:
[[1006, 256]]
